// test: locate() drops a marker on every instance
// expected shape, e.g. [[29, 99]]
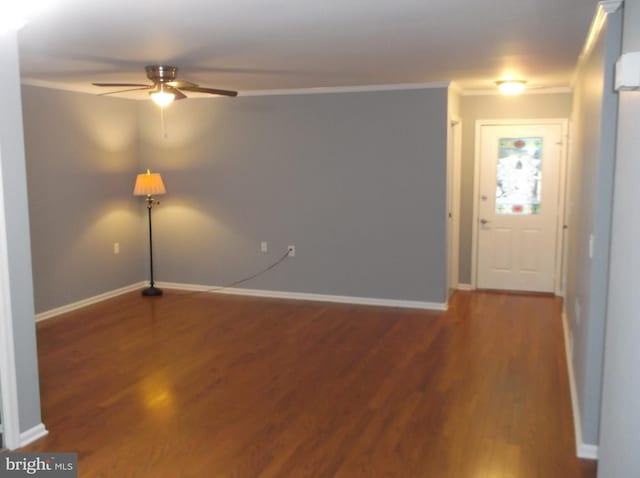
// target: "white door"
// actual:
[[518, 206]]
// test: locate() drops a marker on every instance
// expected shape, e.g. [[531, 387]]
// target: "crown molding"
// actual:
[[452, 85], [456, 88], [603, 10], [554, 90], [275, 92], [346, 89], [611, 6]]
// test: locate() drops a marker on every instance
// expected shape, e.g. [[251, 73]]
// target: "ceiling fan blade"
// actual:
[[179, 94], [180, 84], [211, 91], [124, 91], [117, 85]]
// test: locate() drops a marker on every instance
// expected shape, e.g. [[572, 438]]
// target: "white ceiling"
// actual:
[[288, 44]]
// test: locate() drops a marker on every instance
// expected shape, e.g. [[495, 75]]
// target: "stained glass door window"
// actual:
[[519, 176]]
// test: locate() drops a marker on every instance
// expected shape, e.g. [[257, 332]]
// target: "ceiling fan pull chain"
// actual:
[[162, 123]]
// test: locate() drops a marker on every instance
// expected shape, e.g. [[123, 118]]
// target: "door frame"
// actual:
[[562, 184], [453, 202]]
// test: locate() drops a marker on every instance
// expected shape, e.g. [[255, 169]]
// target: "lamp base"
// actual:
[[151, 292]]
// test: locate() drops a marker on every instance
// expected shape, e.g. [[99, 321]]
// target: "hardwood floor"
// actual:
[[207, 385]]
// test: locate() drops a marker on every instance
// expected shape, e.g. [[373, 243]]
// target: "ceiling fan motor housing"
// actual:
[[161, 74]]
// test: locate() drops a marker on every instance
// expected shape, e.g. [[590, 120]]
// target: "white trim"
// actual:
[[561, 188], [599, 20], [566, 212], [588, 452], [454, 168], [583, 450], [610, 6], [276, 294], [476, 189], [8, 379], [603, 9], [465, 287], [33, 434], [542, 90], [275, 92], [562, 204], [89, 301], [455, 87], [552, 90], [346, 89]]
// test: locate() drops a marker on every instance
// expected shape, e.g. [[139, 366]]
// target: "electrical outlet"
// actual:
[[591, 239], [577, 311], [116, 248], [264, 247], [292, 251]]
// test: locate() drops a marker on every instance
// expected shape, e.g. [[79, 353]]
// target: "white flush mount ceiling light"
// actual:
[[511, 87]]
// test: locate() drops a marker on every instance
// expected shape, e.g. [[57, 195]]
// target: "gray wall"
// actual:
[[620, 424], [589, 205], [357, 181], [495, 107], [17, 232], [82, 159]]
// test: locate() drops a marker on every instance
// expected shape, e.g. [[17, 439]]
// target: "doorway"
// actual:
[[518, 204]]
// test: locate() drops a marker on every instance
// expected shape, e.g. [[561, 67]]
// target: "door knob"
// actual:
[[484, 221]]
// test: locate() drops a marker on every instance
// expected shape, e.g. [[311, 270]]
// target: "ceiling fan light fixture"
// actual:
[[511, 87], [162, 95], [164, 87]]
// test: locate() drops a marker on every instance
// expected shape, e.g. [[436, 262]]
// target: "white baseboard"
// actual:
[[583, 450], [275, 294], [588, 452], [89, 301], [33, 434], [464, 287]]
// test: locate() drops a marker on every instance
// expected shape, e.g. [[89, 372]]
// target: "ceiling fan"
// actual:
[[165, 88]]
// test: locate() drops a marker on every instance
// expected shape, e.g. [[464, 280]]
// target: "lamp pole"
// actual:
[[149, 185], [152, 290]]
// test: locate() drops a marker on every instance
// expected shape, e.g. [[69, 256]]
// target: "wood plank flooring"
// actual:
[[208, 385]]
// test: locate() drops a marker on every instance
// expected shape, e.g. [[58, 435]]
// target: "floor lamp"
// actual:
[[149, 185]]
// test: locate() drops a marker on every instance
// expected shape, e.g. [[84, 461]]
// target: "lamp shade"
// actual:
[[149, 184]]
